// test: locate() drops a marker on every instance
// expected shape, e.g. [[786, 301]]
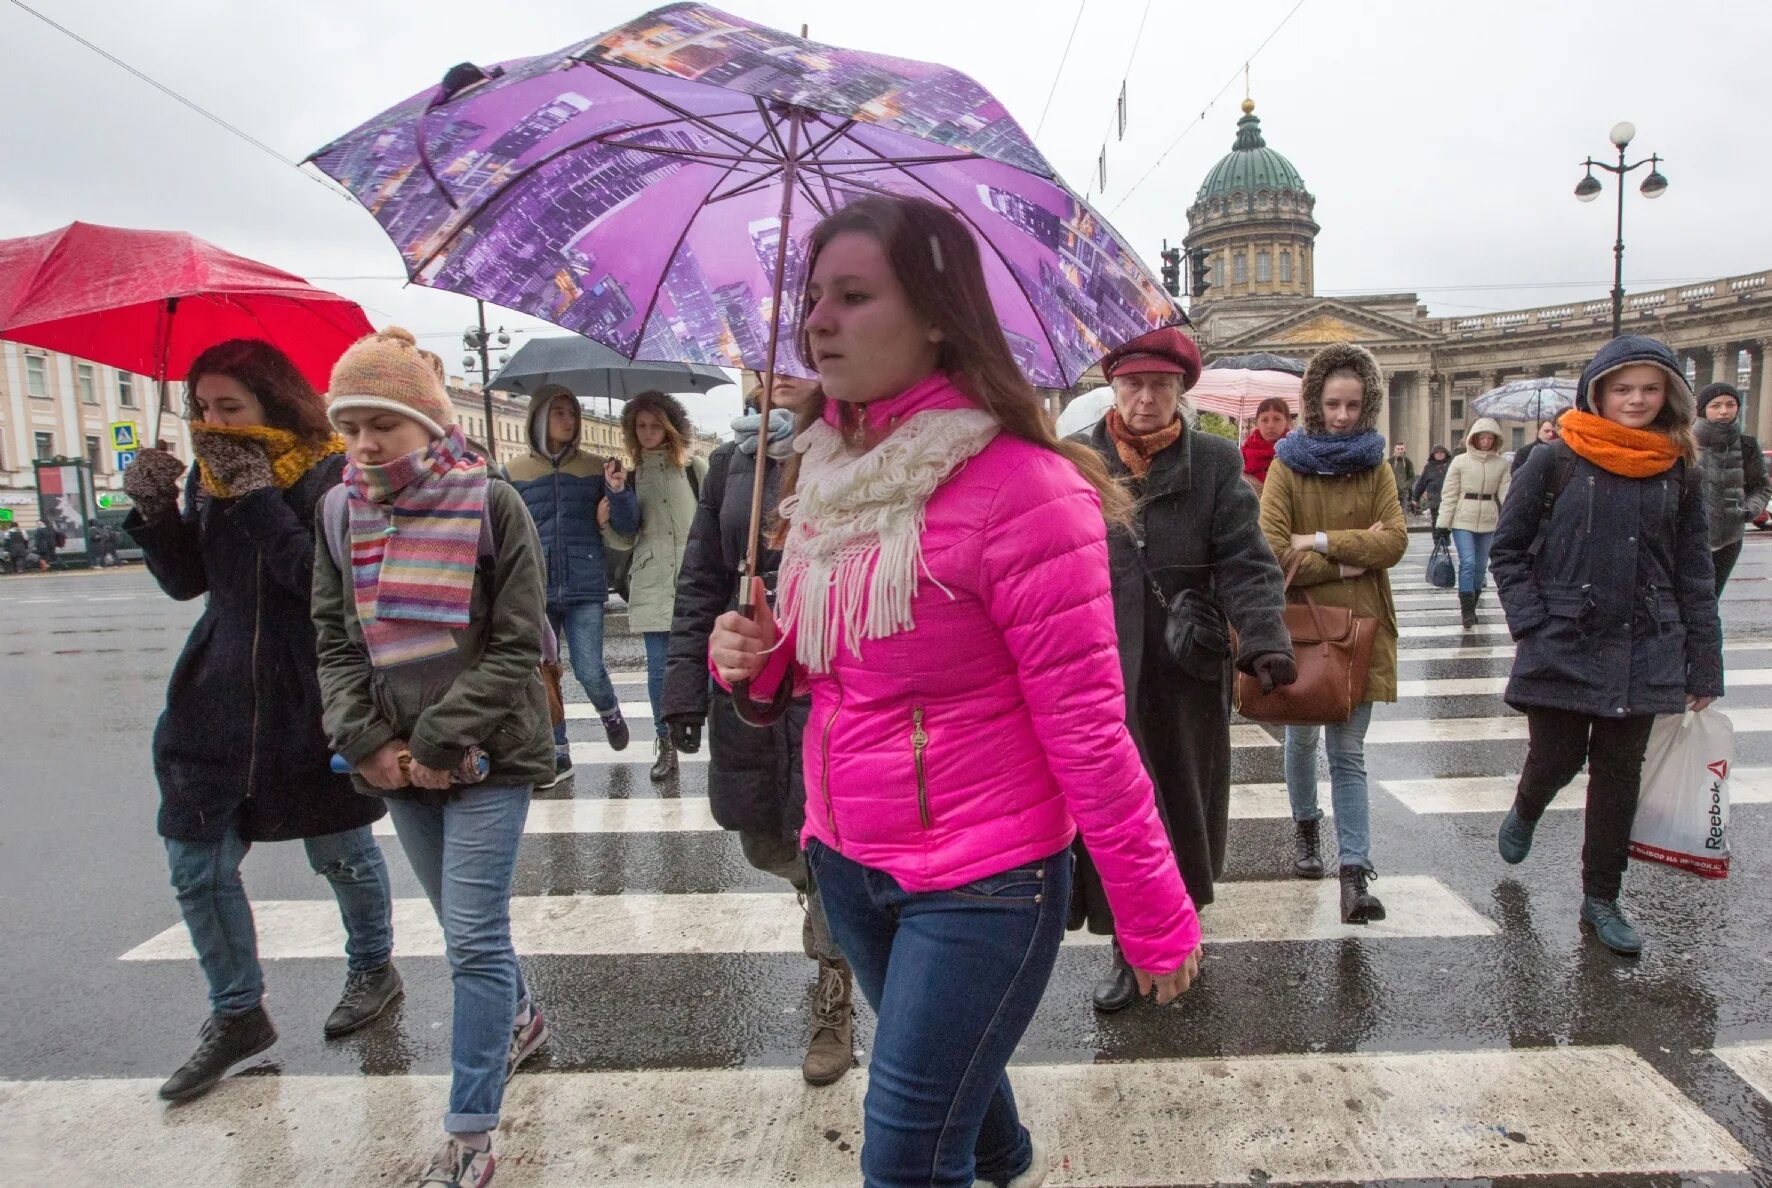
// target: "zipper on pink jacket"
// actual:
[[830, 809]]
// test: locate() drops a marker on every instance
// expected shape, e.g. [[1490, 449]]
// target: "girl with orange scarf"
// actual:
[[1603, 563]]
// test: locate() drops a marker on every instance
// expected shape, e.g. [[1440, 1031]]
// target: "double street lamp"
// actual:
[[476, 339], [1588, 188]]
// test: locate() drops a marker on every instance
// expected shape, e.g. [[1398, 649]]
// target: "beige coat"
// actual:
[[1344, 507], [667, 508], [1475, 473]]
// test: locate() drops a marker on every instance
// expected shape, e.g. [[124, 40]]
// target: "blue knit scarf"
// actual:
[[1330, 453]]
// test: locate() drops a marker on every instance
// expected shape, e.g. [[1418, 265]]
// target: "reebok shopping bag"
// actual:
[[1683, 814]]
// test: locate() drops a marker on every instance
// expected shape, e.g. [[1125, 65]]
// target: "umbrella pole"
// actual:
[[170, 308], [749, 711]]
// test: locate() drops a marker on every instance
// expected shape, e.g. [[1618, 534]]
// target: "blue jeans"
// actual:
[[580, 628], [658, 644], [206, 876], [465, 854], [953, 977], [1347, 781], [1473, 559]]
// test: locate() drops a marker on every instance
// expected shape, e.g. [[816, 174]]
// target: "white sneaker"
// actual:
[[458, 1166]]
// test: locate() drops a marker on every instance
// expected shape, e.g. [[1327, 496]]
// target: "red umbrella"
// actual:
[[152, 301]]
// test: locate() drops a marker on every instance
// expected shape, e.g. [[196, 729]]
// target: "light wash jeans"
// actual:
[[465, 855], [580, 628], [206, 876], [1473, 559], [1346, 745]]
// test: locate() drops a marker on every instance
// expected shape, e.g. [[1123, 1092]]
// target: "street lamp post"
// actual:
[[1588, 188], [476, 339]]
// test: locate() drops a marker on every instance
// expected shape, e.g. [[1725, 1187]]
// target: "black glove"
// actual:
[[1442, 536], [1273, 670], [686, 734]]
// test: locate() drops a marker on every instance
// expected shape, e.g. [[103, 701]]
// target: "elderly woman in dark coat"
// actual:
[[1195, 555], [240, 752]]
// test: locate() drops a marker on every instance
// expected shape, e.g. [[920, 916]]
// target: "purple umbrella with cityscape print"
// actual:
[[633, 187], [643, 188]]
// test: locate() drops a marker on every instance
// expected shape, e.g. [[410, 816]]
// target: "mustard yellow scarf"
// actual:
[[290, 456]]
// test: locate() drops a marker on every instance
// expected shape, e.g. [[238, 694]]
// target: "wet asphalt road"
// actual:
[[84, 660]]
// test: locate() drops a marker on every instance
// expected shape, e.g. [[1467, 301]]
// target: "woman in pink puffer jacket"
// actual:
[[944, 595]]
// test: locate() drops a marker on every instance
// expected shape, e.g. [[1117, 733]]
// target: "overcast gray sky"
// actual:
[[1442, 140]]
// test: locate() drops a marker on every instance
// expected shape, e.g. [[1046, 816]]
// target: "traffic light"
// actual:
[[1171, 258], [1200, 258]]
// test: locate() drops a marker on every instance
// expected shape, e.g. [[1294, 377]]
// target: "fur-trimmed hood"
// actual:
[[1325, 363], [669, 407]]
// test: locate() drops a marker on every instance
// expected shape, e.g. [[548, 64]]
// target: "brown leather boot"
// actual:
[[831, 1052]]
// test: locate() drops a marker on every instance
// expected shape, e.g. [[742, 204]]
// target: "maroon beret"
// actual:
[[1165, 350]]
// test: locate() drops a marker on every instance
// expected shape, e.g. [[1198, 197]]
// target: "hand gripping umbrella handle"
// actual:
[[760, 713]]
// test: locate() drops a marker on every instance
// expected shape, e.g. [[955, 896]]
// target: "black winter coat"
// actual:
[[1198, 526], [241, 738], [754, 777], [1616, 611], [1432, 478]]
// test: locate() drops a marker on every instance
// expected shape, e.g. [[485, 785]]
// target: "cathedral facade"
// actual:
[[1254, 215]]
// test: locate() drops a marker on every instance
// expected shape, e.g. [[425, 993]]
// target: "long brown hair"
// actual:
[[676, 426], [935, 259], [289, 400]]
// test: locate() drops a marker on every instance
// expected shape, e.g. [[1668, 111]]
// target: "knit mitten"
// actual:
[[238, 465], [152, 483]]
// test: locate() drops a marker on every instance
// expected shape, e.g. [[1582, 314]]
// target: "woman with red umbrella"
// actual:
[[240, 752]]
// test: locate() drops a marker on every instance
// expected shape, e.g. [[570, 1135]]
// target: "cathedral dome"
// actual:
[[1250, 166]]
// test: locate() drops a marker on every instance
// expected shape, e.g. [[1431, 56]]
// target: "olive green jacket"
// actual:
[[487, 694], [667, 509]]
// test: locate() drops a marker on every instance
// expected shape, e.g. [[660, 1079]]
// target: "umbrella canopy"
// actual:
[[1084, 411], [590, 370], [152, 301], [1538, 398], [633, 187], [1237, 392], [1260, 361]]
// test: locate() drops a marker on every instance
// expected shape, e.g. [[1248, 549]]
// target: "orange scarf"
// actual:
[[1137, 449], [1630, 453]]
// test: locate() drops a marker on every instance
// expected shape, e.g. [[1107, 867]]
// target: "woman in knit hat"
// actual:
[[667, 477], [239, 752], [1735, 484], [1330, 508], [1603, 561], [429, 605]]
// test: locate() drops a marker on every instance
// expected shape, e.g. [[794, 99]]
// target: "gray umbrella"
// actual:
[[590, 370], [1538, 398], [1260, 361]]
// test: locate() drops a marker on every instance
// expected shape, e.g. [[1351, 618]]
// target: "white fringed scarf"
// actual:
[[855, 536]]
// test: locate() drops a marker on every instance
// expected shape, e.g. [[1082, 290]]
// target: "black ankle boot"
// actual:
[[225, 1041], [1116, 991], [1358, 905], [1467, 603], [665, 766], [1308, 849]]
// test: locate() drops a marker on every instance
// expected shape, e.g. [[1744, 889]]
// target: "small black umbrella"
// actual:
[[590, 370]]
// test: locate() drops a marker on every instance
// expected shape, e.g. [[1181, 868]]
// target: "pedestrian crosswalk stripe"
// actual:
[[1495, 794], [1594, 1112], [1752, 1062], [770, 922], [1736, 678], [1436, 630]]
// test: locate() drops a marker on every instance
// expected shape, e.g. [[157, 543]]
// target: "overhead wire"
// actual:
[[192, 104], [1124, 76], [1210, 103], [1059, 73]]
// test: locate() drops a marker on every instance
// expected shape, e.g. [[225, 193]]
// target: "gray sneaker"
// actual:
[[367, 995], [459, 1166], [525, 1039]]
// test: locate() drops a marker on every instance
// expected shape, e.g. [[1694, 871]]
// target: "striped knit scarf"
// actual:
[[415, 538]]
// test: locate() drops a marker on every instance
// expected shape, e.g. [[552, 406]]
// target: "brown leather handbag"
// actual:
[[1332, 647]]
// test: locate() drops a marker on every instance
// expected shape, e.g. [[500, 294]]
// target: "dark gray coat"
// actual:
[[754, 778], [1199, 528], [1735, 485], [1616, 611]]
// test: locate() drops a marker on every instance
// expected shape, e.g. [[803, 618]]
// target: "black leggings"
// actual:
[[1612, 748], [1723, 561]]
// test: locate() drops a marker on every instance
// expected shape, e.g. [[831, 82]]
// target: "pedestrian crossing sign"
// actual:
[[123, 435]]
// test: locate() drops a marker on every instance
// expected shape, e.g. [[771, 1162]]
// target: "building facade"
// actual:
[[1254, 214]]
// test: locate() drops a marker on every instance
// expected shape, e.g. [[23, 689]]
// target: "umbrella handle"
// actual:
[[760, 713]]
